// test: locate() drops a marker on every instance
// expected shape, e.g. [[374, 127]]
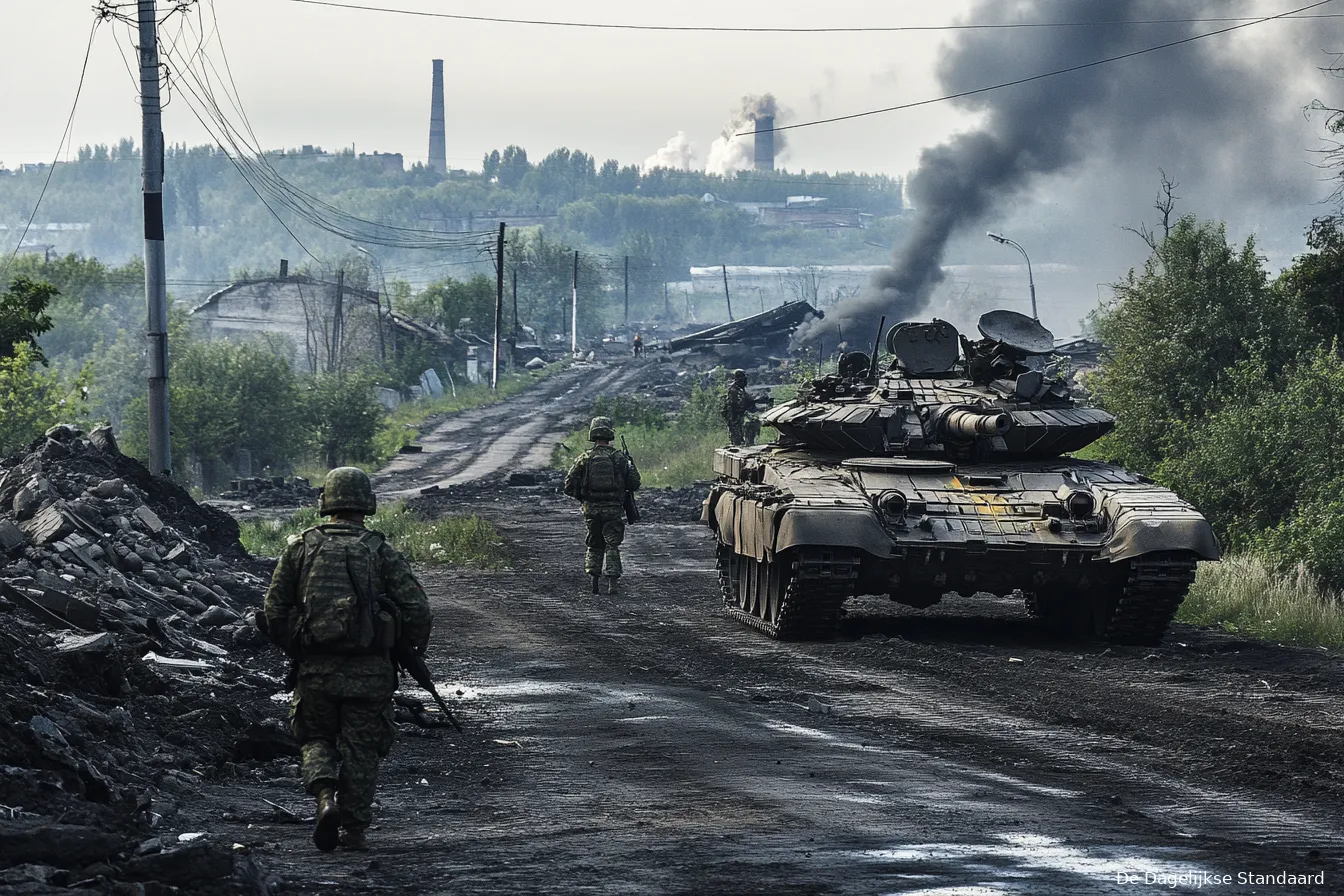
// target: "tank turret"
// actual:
[[948, 472]]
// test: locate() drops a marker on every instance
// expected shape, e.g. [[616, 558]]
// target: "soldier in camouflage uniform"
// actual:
[[736, 403], [340, 598], [599, 478]]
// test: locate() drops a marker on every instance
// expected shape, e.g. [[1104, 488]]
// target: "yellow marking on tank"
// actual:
[[987, 503]]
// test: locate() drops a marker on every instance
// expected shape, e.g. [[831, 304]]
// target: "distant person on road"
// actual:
[[736, 403], [600, 478], [638, 345], [340, 601]]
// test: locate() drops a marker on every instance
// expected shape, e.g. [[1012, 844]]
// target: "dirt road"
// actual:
[[644, 743]]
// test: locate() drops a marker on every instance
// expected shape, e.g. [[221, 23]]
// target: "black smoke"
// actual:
[[1209, 112]]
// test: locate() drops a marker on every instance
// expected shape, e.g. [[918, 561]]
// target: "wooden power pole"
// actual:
[[627, 290], [499, 305], [574, 309]]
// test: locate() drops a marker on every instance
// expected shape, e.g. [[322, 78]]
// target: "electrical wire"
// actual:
[[765, 29], [1062, 71], [65, 135]]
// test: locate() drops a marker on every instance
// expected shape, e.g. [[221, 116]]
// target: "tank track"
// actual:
[[1150, 597], [819, 582]]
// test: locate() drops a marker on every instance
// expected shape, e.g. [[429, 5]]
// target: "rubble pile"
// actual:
[[272, 491], [130, 668]]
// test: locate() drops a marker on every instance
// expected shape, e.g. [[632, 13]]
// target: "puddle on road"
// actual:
[[1027, 857]]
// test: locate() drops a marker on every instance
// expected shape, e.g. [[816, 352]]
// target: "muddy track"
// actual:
[[518, 433], [646, 743]]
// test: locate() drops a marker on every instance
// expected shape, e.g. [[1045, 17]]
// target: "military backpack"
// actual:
[[603, 477], [340, 585]]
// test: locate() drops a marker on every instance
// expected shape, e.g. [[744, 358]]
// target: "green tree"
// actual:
[[1175, 332], [33, 398], [344, 416], [1313, 287], [23, 316]]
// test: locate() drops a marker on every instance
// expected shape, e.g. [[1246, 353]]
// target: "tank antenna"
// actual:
[[881, 325]]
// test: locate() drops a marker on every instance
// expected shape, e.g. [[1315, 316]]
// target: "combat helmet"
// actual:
[[601, 430], [740, 376], [348, 489]]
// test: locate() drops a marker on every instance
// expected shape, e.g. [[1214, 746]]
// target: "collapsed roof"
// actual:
[[768, 327]]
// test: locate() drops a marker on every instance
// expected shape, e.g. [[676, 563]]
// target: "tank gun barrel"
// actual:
[[964, 424]]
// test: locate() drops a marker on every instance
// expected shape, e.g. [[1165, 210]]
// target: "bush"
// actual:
[[630, 410], [34, 399], [344, 417]]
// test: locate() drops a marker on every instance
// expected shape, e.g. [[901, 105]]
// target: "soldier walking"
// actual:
[[736, 403], [600, 478], [341, 600]]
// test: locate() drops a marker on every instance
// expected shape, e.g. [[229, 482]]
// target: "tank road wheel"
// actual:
[[797, 596], [1135, 608]]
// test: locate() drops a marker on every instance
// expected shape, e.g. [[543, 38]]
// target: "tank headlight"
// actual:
[[1080, 505], [894, 503]]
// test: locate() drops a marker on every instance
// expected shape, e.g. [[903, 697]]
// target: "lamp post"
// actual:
[[1000, 238]]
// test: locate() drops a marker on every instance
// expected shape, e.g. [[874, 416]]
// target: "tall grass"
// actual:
[[465, 540], [1247, 595], [672, 457]]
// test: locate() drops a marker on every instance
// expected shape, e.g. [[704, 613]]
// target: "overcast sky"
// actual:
[[336, 77]]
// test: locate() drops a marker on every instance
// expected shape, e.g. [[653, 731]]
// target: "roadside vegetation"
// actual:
[[466, 540], [1228, 386], [671, 450]]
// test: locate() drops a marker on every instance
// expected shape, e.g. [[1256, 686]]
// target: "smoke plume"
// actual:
[[1208, 111], [734, 149], [678, 154]]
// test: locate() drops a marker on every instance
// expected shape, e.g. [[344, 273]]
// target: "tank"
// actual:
[[948, 473]]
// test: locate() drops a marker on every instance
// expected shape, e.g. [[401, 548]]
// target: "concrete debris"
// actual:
[[272, 491], [535, 364], [767, 333], [129, 667]]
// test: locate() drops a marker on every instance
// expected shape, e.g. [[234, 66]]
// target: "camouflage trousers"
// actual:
[[743, 430], [343, 723], [606, 530]]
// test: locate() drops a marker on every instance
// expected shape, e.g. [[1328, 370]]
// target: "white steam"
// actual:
[[678, 154]]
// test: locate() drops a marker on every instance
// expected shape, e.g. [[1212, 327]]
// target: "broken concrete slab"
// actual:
[[149, 518], [196, 862], [11, 537], [50, 524]]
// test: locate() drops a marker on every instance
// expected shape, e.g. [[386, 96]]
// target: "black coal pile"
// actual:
[[272, 491], [672, 505], [128, 669]]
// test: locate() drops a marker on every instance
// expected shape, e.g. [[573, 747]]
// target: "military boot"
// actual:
[[596, 579], [613, 584], [354, 839], [328, 828]]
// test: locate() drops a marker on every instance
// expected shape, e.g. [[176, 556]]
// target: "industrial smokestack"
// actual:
[[438, 144], [765, 143]]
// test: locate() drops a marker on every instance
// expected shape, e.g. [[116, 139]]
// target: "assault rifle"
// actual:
[[409, 659], [631, 511]]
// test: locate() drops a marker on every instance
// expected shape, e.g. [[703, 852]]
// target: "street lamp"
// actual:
[[1000, 238]]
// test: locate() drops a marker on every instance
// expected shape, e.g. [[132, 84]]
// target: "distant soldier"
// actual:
[[639, 345], [600, 478], [736, 403], [340, 601]]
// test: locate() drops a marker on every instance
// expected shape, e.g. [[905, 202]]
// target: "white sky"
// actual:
[[333, 77]]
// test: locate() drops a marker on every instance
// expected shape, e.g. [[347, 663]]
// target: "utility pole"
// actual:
[[667, 307], [574, 309], [156, 287], [516, 329], [499, 305], [726, 296], [627, 290], [337, 325]]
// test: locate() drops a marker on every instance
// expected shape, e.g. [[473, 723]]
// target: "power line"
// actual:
[[857, 29], [1062, 71], [65, 134]]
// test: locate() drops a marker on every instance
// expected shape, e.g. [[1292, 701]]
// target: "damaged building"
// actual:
[[326, 325], [750, 339]]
